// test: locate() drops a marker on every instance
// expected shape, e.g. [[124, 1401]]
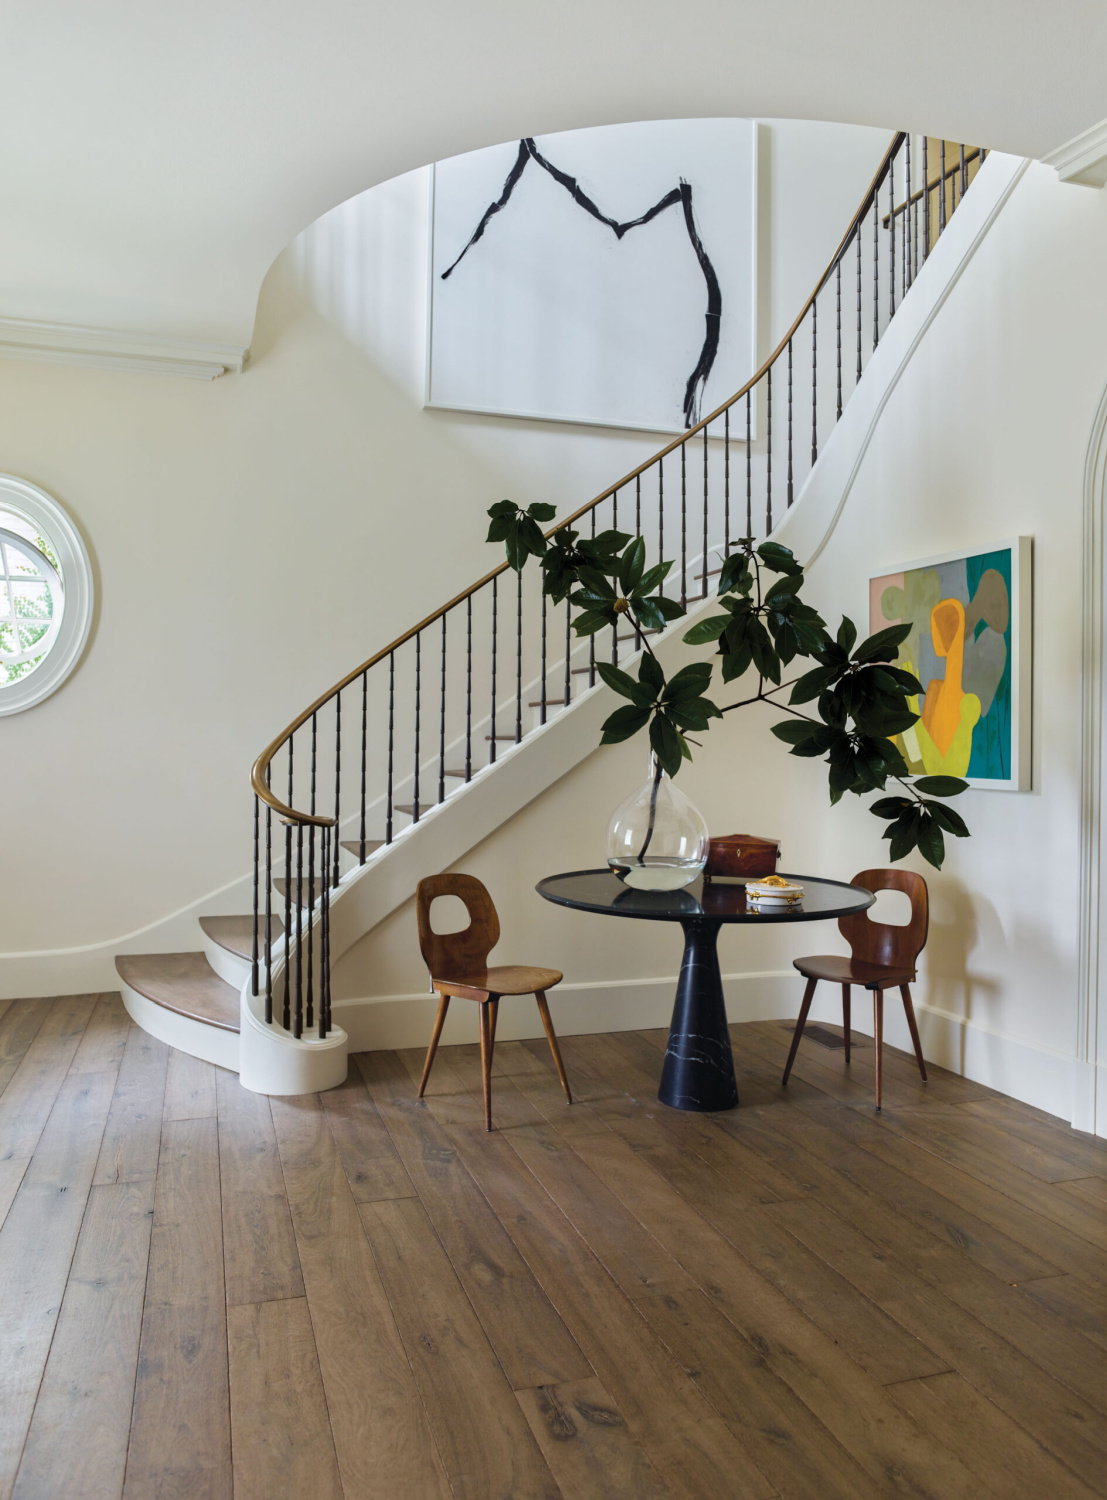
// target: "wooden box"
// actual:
[[741, 854]]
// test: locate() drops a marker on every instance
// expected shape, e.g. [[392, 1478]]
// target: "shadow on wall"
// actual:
[[956, 917]]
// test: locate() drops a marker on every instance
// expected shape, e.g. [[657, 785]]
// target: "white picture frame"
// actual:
[[1015, 677], [533, 322]]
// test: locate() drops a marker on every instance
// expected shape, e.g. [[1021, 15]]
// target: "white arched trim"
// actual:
[[41, 510], [1089, 1086]]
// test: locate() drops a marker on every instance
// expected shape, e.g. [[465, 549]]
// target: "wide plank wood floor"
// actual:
[[208, 1293]]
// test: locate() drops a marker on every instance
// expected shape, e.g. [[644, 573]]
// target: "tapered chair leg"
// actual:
[[443, 1007], [544, 1012], [808, 996], [878, 1042], [495, 1009], [905, 991], [845, 1019], [486, 1060]]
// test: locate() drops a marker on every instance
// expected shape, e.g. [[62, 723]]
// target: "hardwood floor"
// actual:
[[205, 1292]]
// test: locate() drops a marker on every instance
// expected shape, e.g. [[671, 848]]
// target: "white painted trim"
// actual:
[[1036, 1075], [1091, 983], [1082, 160], [117, 349], [42, 510]]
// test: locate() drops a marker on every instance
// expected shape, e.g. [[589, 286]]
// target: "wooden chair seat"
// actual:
[[882, 957], [458, 963], [841, 970], [509, 979]]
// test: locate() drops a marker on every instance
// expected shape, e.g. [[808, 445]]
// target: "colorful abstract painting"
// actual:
[[964, 647]]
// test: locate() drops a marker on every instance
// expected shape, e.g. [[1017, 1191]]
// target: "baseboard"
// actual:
[[1034, 1075]]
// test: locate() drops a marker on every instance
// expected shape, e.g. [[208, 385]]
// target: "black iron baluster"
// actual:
[[268, 908], [876, 268], [311, 878], [542, 690], [492, 722], [683, 528], [257, 860], [703, 570], [309, 1019], [660, 515], [814, 380], [592, 638], [768, 450], [858, 377], [726, 482], [469, 687], [568, 646], [838, 307], [926, 198], [518, 656], [418, 700], [442, 723], [942, 182], [907, 215], [364, 740], [325, 940], [915, 235], [749, 464], [391, 744], [789, 422], [288, 896], [892, 239], [637, 532], [615, 627], [298, 1015], [964, 172], [337, 780]]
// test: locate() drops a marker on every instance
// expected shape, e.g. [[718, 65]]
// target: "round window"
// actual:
[[45, 595]]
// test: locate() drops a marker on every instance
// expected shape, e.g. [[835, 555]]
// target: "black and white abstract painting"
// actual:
[[602, 276]]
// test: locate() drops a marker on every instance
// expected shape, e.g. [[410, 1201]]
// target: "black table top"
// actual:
[[723, 901]]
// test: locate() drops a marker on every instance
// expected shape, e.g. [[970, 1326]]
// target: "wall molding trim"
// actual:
[[1033, 1074], [1082, 160], [1089, 1105], [117, 349]]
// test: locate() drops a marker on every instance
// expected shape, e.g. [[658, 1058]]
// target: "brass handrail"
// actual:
[[258, 781]]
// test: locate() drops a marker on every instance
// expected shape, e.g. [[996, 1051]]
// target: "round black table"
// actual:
[[698, 1071]]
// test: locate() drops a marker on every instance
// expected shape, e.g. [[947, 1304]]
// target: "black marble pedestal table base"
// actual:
[[698, 1073]]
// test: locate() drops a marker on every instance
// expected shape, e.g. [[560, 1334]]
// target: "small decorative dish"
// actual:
[[773, 892]]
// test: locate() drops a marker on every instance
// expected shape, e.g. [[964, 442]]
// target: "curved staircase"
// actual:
[[437, 740]]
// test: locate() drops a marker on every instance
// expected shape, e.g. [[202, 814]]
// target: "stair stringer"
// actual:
[[446, 833]]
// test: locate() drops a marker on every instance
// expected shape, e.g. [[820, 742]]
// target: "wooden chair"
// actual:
[[881, 957], [458, 964]]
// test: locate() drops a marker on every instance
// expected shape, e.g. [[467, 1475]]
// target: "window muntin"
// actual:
[[32, 597]]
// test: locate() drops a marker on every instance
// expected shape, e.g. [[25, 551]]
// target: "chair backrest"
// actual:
[[880, 942], [456, 955]]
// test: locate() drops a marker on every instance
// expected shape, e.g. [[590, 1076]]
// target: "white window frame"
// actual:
[[42, 511]]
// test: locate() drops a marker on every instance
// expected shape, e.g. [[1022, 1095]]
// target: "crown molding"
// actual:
[[1083, 159], [116, 349]]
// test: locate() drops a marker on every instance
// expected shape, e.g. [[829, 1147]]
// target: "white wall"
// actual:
[[984, 437], [253, 539]]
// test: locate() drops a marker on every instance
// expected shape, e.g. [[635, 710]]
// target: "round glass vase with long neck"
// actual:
[[657, 839]]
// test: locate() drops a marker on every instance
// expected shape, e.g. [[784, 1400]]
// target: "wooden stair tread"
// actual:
[[182, 982], [310, 892], [353, 846], [236, 934]]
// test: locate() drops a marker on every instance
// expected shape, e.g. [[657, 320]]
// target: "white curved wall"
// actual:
[[162, 156]]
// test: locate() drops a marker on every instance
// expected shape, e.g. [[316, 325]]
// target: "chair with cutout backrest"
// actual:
[[882, 957], [458, 964]]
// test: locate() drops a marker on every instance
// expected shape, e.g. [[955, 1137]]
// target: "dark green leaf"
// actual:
[[847, 634], [778, 558], [883, 645], [905, 680], [783, 588], [666, 743], [946, 818], [589, 622], [794, 731], [940, 786], [689, 682], [890, 807], [622, 683], [503, 508], [632, 567], [540, 511], [653, 579], [623, 723], [734, 567], [595, 583], [932, 844], [736, 664], [812, 683], [706, 630], [650, 674]]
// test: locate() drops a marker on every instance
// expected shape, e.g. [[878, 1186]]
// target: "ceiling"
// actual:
[[158, 157]]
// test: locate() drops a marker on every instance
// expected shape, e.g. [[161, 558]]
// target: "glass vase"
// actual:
[[657, 839]]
